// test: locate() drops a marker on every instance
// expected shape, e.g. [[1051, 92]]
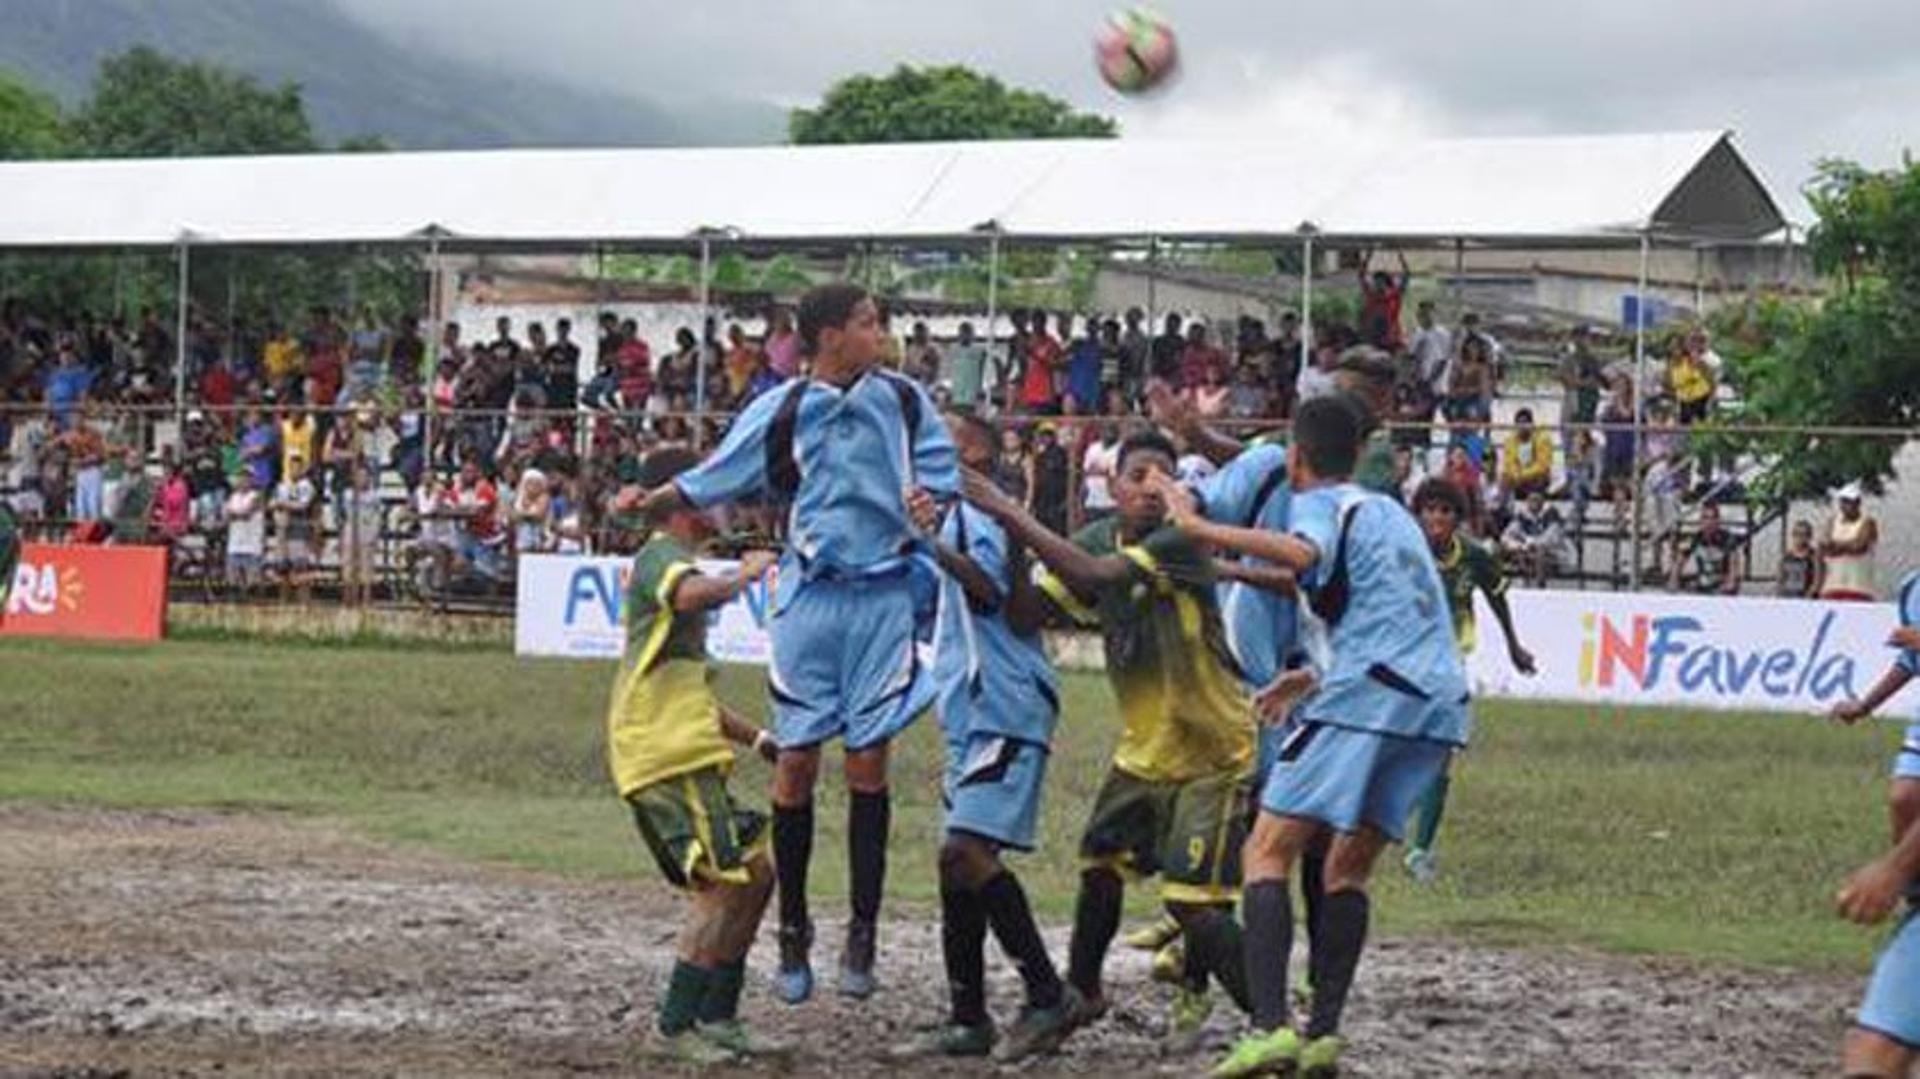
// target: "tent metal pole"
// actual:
[[1153, 279], [993, 306], [1459, 278], [1700, 283], [700, 361], [1306, 301], [435, 327], [1639, 409], [180, 342]]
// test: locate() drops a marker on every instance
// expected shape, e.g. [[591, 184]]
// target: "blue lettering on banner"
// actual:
[[1701, 668], [592, 585]]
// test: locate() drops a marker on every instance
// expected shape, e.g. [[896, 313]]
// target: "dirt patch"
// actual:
[[147, 943]]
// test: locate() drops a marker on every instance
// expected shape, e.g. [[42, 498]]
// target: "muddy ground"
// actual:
[[175, 943]]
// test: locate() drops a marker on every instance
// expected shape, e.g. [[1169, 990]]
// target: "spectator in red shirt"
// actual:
[[1380, 296], [217, 387], [1037, 383], [1201, 364], [474, 499], [634, 362]]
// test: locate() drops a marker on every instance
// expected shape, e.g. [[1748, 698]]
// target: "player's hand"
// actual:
[[627, 498], [1849, 711], [1907, 637], [755, 564], [922, 510], [1273, 704], [1169, 409], [765, 745], [1870, 894], [986, 495], [1523, 661], [1182, 508]]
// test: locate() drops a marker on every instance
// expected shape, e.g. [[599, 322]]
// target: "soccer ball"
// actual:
[[1135, 50]]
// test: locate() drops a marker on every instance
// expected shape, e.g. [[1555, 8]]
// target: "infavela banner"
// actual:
[[1694, 651], [574, 605]]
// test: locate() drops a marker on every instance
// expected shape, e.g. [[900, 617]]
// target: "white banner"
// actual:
[[574, 605], [1693, 651]]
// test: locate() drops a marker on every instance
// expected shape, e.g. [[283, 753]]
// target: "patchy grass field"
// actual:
[[1707, 836]]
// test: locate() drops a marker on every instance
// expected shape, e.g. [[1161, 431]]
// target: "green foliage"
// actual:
[[30, 122], [936, 104], [1851, 361], [148, 105]]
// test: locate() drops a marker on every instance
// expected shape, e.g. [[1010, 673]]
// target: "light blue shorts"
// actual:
[[1345, 778], [846, 665], [1892, 1007], [993, 788], [1906, 763]]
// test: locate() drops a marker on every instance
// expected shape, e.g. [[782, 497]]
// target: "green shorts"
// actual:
[[695, 831], [1188, 833]]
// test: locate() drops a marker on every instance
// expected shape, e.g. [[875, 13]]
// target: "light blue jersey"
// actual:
[[1262, 626], [1378, 626], [1906, 763], [992, 680], [854, 456]]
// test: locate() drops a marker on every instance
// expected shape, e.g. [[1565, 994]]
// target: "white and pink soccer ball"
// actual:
[[1135, 50]]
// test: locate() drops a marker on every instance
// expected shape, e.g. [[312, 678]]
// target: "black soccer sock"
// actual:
[[1096, 918], [792, 851], [1268, 911], [869, 817], [722, 1000], [686, 991], [1214, 938], [1313, 893], [963, 940], [1005, 903], [1343, 933]]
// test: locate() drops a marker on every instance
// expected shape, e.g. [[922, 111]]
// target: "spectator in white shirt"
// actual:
[[1432, 349], [246, 514], [1102, 460]]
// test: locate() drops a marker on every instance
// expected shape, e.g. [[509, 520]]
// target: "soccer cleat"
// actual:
[[1321, 1058], [1170, 963], [691, 1048], [1188, 1022], [1038, 1032], [1082, 1011], [1152, 938], [856, 962], [1276, 1052], [733, 1036], [1422, 865], [794, 982], [949, 1040]]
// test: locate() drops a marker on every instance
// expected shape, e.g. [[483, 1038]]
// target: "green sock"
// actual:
[[686, 989], [722, 1002], [1433, 805]]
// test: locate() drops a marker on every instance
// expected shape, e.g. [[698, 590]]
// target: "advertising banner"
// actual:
[[574, 605], [1691, 651], [100, 593]]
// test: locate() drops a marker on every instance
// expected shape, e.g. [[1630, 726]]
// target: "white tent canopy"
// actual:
[[1607, 188]]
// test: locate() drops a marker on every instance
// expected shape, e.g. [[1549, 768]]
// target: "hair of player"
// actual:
[[1440, 491], [1147, 440], [826, 307], [663, 464], [1329, 431], [980, 426]]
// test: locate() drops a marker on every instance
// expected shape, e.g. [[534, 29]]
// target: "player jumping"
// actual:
[[1388, 711], [843, 447], [1885, 1039], [1465, 567], [668, 747]]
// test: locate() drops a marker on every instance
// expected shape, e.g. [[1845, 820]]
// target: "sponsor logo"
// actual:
[[46, 588], [1646, 652]]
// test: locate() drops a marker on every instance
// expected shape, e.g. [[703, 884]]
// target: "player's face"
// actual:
[[860, 339], [1138, 502], [1437, 520], [974, 445]]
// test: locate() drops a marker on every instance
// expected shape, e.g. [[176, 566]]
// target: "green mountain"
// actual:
[[354, 81]]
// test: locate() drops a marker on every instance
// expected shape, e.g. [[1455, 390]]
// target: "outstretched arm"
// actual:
[[1890, 683], [1086, 574], [1288, 552], [1871, 893], [738, 731], [1269, 578], [698, 592], [1503, 614], [1177, 413]]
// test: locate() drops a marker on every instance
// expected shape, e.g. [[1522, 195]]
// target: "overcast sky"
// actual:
[[1795, 79]]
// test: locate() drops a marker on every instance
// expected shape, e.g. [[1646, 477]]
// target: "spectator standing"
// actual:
[[293, 505], [1248, 399], [132, 506], [1097, 470], [285, 362], [1201, 358], [530, 369], [922, 358], [1168, 348], [1617, 447], [783, 344], [260, 449], [1470, 383], [1380, 299], [362, 519], [246, 518], [406, 358], [67, 384], [741, 360], [1852, 537], [1084, 363], [635, 366], [1799, 565], [1112, 360], [1317, 379], [173, 503], [1136, 352], [1049, 491], [297, 437], [87, 457], [562, 362], [1038, 394], [967, 364], [1710, 562], [206, 468], [476, 502], [1013, 471], [1690, 379], [1432, 350]]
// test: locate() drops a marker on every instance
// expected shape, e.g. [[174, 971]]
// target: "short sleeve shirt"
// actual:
[[662, 720]]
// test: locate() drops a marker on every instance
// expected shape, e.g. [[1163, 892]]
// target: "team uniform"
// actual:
[[854, 581], [1892, 1007], [1464, 567], [998, 699], [1391, 705], [664, 745], [1174, 802], [10, 545]]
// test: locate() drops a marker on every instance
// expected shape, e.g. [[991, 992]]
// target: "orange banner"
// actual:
[[103, 593]]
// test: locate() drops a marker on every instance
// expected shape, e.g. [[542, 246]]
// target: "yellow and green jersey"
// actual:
[[9, 554], [663, 720], [1184, 710], [1465, 566]]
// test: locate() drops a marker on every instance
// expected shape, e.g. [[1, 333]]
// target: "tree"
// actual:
[[933, 104], [1851, 361], [30, 122], [145, 104]]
